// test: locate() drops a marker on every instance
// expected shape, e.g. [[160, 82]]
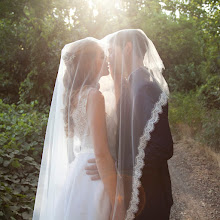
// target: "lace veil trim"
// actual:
[[137, 173]]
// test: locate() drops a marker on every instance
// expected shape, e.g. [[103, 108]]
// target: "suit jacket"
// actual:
[[137, 100]]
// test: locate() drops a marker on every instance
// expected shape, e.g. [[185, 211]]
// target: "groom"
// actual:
[[135, 98]]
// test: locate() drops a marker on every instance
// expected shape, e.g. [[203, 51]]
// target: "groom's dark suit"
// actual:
[[140, 95]]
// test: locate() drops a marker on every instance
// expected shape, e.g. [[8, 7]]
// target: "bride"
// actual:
[[77, 131]]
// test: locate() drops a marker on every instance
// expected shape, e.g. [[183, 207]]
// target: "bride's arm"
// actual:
[[97, 126]]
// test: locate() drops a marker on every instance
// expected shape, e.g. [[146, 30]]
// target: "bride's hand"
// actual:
[[92, 170]]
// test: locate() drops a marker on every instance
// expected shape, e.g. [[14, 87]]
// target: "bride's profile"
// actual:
[[77, 131]]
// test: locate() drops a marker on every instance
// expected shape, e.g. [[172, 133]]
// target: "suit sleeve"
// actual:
[[160, 146]]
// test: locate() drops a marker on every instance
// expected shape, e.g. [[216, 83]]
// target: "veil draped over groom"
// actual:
[[139, 139], [144, 142]]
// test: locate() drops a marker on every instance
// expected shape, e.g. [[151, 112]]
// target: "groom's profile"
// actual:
[[138, 96]]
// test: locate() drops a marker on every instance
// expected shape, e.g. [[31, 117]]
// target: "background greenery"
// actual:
[[32, 34]]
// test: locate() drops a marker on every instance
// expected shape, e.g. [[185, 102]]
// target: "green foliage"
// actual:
[[185, 108], [210, 92], [184, 78], [21, 139], [204, 122], [211, 129], [32, 36]]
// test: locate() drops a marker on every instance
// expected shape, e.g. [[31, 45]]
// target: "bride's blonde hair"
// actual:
[[80, 73]]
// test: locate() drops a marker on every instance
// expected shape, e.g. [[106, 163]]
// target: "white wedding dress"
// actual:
[[82, 198]]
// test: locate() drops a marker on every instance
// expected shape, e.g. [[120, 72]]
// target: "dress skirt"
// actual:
[[82, 198]]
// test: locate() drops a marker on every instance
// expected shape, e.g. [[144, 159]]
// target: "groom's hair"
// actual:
[[136, 36]]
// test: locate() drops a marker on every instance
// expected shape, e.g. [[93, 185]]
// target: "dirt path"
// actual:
[[196, 183]]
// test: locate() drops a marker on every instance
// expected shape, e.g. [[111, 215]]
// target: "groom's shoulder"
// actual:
[[142, 82], [140, 74]]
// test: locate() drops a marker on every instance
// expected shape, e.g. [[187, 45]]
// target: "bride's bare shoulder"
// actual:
[[95, 96], [95, 99]]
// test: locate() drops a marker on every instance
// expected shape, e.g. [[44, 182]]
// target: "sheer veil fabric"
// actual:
[[134, 66], [136, 69], [68, 141]]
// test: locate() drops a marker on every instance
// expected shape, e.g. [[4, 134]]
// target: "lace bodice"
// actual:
[[82, 138]]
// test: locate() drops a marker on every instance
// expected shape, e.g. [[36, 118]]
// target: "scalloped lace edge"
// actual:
[[136, 183]]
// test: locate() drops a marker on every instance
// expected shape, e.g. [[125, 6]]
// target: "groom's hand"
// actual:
[[92, 170]]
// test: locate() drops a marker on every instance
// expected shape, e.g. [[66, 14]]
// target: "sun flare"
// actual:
[[97, 5]]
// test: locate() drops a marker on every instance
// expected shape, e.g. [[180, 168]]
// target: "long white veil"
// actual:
[[77, 72], [136, 68]]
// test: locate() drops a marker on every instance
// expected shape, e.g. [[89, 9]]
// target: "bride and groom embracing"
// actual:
[[108, 138]]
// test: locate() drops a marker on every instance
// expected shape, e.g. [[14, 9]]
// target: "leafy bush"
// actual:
[[210, 92], [211, 129], [204, 122], [184, 78], [21, 138], [185, 108]]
